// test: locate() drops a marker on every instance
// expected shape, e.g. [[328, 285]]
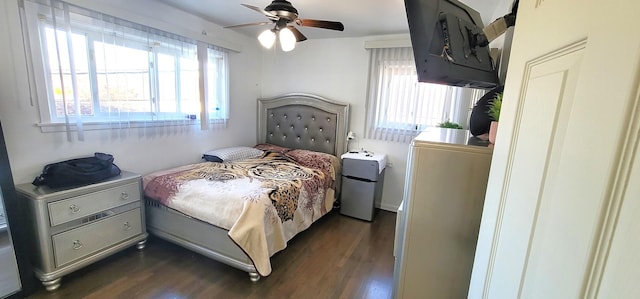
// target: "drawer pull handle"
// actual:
[[124, 195], [127, 226], [77, 244], [74, 209]]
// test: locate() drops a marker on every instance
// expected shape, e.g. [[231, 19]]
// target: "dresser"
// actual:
[[437, 226], [74, 227]]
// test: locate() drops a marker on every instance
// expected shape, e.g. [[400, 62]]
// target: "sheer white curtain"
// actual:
[[399, 107], [217, 70], [112, 73]]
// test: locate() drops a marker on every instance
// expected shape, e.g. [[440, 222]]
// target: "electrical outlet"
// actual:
[[389, 165]]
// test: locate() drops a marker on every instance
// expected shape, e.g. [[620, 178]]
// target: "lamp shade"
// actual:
[[267, 38], [287, 40]]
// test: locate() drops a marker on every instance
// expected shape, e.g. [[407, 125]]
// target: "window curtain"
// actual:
[[145, 77], [399, 107], [217, 76], [65, 63]]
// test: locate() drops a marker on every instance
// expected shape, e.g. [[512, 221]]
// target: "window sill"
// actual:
[[111, 125]]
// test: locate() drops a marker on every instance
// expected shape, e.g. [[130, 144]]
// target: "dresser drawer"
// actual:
[[84, 205], [91, 238]]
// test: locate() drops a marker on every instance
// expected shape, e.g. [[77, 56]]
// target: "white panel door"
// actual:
[[560, 220]]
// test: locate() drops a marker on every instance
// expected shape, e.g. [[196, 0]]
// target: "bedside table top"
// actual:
[[380, 158], [44, 192]]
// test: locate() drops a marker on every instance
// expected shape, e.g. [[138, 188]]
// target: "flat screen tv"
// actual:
[[449, 45]]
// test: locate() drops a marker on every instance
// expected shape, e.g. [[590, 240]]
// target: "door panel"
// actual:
[[549, 87], [555, 89], [560, 164]]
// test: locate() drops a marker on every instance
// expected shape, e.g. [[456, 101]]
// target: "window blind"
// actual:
[[399, 107]]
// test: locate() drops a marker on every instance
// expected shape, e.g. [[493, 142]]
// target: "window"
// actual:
[[399, 107], [95, 68]]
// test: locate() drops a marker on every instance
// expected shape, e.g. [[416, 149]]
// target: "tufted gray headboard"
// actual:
[[304, 121]]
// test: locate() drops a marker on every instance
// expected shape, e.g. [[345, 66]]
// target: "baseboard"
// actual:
[[389, 207]]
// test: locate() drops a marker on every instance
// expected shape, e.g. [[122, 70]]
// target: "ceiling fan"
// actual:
[[283, 16]]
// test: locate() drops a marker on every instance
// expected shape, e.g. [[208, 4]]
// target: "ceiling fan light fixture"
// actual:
[[282, 15], [287, 39], [267, 38]]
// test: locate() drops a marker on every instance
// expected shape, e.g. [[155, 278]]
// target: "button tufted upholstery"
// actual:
[[303, 127], [304, 121]]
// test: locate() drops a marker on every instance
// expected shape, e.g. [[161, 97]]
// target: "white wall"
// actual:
[[502, 7], [332, 68], [486, 9], [139, 150], [337, 69]]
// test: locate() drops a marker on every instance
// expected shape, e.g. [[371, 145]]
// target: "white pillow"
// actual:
[[229, 154]]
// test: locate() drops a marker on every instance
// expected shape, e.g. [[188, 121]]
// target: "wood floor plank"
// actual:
[[337, 257]]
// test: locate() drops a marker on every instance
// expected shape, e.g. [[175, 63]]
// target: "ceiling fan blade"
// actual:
[[250, 24], [262, 11], [299, 36], [320, 24]]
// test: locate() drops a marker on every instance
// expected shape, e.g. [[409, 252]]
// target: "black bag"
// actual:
[[75, 172]]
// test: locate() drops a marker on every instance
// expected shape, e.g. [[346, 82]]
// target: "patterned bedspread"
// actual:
[[263, 202]]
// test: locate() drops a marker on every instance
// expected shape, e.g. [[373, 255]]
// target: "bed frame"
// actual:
[[301, 121]]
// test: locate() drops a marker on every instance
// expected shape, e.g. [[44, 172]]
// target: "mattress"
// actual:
[[263, 202]]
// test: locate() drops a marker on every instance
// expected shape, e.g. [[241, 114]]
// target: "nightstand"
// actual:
[[362, 180], [74, 227]]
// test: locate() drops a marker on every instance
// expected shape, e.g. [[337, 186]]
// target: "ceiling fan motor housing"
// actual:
[[282, 9], [281, 14]]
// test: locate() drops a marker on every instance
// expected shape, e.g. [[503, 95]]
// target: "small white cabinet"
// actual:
[[74, 227], [440, 217]]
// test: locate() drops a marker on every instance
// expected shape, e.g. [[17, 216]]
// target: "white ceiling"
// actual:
[[360, 17]]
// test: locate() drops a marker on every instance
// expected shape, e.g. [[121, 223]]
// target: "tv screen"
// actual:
[[449, 45]]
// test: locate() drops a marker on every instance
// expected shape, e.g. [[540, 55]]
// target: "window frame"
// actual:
[[42, 87]]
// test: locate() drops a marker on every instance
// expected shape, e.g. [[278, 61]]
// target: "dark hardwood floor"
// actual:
[[337, 257]]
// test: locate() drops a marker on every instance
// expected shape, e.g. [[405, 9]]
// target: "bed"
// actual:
[[300, 135]]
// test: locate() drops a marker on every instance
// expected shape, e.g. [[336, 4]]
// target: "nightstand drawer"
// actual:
[[81, 206], [83, 241]]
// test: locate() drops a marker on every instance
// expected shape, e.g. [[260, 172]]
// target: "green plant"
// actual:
[[449, 125], [495, 106]]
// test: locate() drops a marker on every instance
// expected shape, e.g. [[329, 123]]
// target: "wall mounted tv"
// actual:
[[449, 45]]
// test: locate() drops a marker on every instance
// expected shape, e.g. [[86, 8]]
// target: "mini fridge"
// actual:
[[362, 181]]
